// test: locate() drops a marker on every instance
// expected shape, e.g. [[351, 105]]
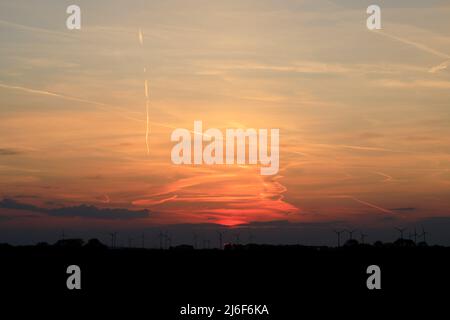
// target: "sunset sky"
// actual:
[[363, 116]]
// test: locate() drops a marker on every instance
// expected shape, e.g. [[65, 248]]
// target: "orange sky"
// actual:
[[363, 116]]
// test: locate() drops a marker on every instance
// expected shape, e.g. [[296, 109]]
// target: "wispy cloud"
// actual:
[[444, 65], [432, 84], [9, 152]]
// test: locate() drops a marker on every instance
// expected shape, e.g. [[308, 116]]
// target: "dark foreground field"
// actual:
[[289, 280]]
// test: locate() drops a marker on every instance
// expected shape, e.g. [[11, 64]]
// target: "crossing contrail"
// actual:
[[147, 99], [444, 65], [100, 105]]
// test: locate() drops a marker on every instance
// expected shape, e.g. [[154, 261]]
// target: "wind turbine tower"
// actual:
[[250, 236], [350, 233], [237, 235], [363, 237], [220, 233], [161, 237], [195, 241], [401, 231], [338, 233], [415, 235], [424, 234]]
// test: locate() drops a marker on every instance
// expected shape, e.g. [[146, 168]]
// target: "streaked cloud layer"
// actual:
[[363, 115]]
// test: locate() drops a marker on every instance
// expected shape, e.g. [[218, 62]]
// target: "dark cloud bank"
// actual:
[[84, 211]]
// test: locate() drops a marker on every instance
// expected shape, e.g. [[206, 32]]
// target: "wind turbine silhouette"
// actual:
[[143, 240], [415, 235], [220, 233], [401, 230], [237, 235], [195, 241], [423, 235], [113, 239], [250, 236], [350, 233], [338, 233], [168, 240], [363, 237], [161, 237]]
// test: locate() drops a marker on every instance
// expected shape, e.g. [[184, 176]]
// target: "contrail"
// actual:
[[141, 37], [371, 205], [362, 148], [147, 105], [384, 175], [100, 105], [435, 69], [147, 99], [103, 106], [36, 29], [414, 44]]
